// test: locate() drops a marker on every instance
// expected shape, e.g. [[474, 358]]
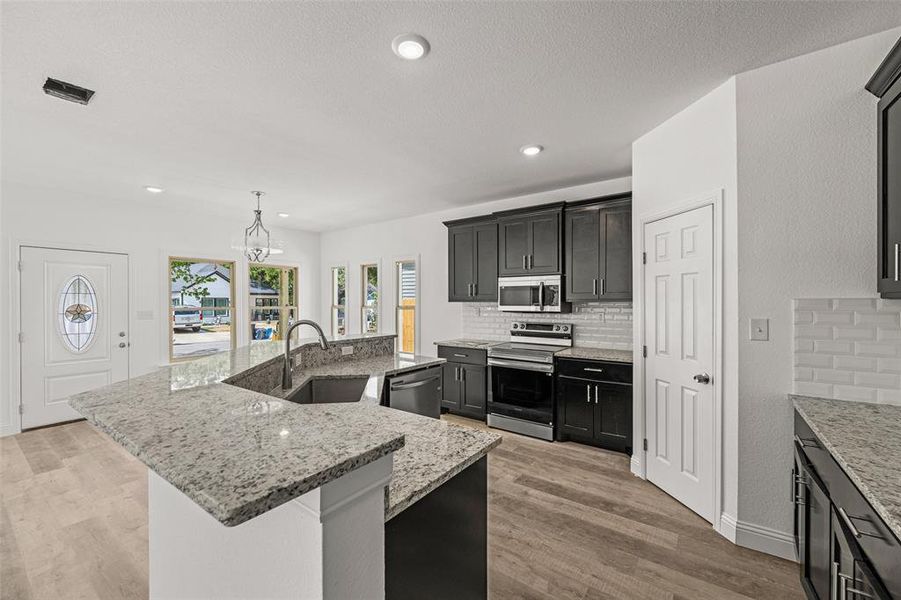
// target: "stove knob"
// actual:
[[566, 328], [516, 326], [556, 328]]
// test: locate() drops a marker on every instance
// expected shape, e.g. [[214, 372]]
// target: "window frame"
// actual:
[[333, 297], [283, 307], [377, 307], [232, 304], [398, 308]]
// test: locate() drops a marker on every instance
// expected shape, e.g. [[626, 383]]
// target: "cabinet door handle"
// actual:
[[461, 356], [456, 373], [524, 267], [897, 250], [850, 523], [475, 289], [595, 394], [594, 287], [806, 442], [462, 374], [531, 261], [588, 394], [603, 290], [593, 370]]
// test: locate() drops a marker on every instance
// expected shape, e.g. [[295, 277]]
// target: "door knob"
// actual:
[[702, 378]]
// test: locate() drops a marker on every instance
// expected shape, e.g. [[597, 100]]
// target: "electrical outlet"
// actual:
[[347, 350], [760, 330]]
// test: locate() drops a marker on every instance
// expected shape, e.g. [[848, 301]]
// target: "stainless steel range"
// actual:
[[521, 378]]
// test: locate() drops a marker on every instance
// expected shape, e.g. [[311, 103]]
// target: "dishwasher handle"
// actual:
[[409, 386]]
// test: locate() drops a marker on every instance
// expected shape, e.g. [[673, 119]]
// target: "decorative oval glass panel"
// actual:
[[77, 313]]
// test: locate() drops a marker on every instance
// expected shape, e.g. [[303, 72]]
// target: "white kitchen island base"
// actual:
[[328, 543]]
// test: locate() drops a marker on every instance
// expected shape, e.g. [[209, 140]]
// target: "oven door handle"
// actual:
[[541, 296], [521, 365]]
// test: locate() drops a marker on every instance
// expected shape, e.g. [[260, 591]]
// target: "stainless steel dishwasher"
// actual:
[[417, 391]]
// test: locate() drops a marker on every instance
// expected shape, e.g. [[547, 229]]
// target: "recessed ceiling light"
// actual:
[[153, 189], [531, 150], [410, 46], [284, 215]]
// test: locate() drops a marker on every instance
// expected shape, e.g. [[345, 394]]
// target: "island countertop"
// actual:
[[865, 440], [239, 453]]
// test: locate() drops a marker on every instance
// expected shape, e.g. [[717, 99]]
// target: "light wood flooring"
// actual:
[[565, 521]]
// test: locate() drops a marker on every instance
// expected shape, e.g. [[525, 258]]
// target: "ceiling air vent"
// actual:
[[67, 91]]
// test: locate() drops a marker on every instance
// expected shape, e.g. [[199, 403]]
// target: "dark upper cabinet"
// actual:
[[530, 243], [598, 251], [485, 262], [886, 85], [472, 260]]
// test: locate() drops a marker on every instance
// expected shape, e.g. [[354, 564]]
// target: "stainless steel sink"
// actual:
[[329, 391]]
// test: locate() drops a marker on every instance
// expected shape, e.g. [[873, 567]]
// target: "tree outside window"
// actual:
[[339, 301], [200, 296], [370, 298], [273, 300]]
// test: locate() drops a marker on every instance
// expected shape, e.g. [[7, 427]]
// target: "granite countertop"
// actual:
[[469, 343], [623, 356], [865, 439], [239, 453]]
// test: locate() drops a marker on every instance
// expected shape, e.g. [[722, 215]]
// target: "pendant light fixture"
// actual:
[[257, 245]]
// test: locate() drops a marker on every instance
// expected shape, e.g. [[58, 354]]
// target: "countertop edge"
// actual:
[[865, 490], [257, 506], [411, 499]]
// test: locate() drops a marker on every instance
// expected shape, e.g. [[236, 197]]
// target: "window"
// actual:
[[201, 295], [369, 306], [339, 301], [406, 306], [77, 314], [273, 301]]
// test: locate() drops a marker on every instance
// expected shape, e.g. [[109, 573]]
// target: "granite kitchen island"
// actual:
[[279, 481]]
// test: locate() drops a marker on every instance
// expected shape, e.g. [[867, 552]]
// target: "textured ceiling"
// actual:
[[307, 101]]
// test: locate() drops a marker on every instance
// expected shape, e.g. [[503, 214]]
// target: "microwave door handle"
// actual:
[[541, 296]]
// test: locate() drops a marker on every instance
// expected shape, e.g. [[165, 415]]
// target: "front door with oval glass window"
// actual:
[[74, 324]]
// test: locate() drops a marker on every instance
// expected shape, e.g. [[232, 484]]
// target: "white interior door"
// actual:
[[678, 325], [74, 324]]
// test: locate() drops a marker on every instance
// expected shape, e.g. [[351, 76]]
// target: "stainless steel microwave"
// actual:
[[531, 293]]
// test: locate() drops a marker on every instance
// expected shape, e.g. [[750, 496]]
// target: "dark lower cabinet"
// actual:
[[845, 550], [464, 390], [438, 548], [593, 407]]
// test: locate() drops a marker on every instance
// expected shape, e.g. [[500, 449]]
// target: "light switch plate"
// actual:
[[347, 350], [760, 330]]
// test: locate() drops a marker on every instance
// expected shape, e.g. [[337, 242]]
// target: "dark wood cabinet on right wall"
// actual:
[[886, 85], [598, 249]]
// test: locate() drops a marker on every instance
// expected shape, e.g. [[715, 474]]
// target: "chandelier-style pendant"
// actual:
[[256, 237]]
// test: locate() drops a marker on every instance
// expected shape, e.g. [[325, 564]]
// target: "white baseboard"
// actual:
[[727, 527], [635, 466], [8, 430], [757, 537]]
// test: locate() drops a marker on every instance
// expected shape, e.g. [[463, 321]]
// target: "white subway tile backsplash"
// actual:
[[596, 325], [848, 349]]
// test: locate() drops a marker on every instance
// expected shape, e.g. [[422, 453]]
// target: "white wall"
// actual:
[[793, 147], [682, 160], [807, 228], [149, 231], [426, 237]]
